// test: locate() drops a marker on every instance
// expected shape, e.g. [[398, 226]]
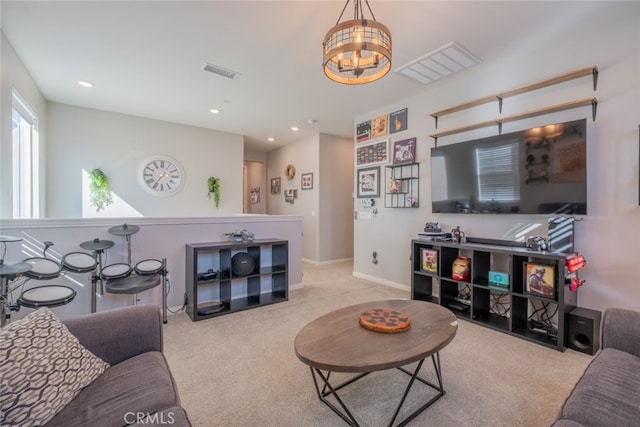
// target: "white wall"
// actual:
[[82, 139], [303, 155], [608, 236], [327, 207], [335, 206]]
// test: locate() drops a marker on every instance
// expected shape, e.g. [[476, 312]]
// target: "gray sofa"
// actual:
[[608, 393], [138, 387]]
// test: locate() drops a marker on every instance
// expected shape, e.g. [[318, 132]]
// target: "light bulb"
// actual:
[[355, 58], [357, 35]]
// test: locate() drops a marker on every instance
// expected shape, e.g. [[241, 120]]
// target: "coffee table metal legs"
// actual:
[[329, 390]]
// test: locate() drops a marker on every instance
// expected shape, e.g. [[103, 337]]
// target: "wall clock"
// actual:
[[161, 175], [290, 171]]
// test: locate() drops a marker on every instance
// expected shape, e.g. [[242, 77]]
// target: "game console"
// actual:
[[459, 306], [211, 308], [209, 275]]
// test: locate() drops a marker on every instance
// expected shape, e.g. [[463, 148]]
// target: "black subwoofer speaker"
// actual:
[[242, 264], [584, 330]]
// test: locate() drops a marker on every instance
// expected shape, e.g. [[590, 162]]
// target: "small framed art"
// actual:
[[363, 131], [398, 121], [379, 126], [429, 261], [404, 151], [540, 279], [307, 181], [275, 185], [255, 194], [369, 182]]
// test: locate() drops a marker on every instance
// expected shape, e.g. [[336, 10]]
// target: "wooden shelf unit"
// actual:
[[228, 291], [517, 305]]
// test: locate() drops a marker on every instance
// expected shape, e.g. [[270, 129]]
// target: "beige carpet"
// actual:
[[241, 369]]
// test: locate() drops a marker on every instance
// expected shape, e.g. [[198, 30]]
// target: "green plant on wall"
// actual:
[[99, 192], [214, 188]]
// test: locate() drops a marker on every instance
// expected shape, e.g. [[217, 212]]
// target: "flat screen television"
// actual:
[[541, 170]]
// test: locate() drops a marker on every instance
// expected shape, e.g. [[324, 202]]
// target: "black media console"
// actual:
[[520, 308]]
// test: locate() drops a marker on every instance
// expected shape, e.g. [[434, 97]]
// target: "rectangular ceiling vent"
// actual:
[[442, 62], [215, 69]]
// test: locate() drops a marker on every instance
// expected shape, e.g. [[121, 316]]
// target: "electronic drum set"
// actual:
[[117, 278]]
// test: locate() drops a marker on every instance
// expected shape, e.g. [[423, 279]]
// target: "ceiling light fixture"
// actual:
[[214, 111], [85, 83], [295, 128], [357, 51], [271, 139]]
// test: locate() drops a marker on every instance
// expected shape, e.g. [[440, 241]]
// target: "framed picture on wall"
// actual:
[[369, 182], [404, 151], [307, 181], [363, 131], [379, 126], [255, 195], [398, 121], [540, 279], [372, 153], [275, 185]]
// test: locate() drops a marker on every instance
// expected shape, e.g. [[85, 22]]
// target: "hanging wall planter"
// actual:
[[99, 191], [214, 188]]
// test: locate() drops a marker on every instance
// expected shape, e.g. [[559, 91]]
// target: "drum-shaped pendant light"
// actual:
[[357, 51]]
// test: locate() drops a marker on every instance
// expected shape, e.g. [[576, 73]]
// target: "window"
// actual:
[[26, 177], [497, 173]]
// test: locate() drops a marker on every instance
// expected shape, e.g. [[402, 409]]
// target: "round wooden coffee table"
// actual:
[[336, 342]]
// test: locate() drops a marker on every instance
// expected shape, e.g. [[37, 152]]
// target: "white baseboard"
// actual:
[[382, 281], [332, 261]]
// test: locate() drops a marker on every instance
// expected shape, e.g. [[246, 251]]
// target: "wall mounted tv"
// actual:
[[541, 170]]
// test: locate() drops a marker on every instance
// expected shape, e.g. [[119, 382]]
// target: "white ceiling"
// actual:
[[145, 57]]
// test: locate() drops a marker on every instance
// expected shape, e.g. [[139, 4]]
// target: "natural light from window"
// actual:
[[119, 208], [25, 160]]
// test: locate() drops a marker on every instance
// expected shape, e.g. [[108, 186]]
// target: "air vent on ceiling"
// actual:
[[440, 63], [216, 69]]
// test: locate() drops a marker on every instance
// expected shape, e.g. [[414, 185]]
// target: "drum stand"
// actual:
[[163, 283], [9, 272], [98, 247]]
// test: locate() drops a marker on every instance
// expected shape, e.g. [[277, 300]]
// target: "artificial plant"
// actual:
[[214, 188], [100, 194]]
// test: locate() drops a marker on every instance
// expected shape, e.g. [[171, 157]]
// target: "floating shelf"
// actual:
[[592, 71], [560, 107]]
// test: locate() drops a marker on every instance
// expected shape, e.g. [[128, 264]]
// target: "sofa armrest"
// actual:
[[119, 334], [621, 330]]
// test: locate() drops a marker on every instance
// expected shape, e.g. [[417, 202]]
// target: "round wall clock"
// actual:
[[161, 175], [290, 171]]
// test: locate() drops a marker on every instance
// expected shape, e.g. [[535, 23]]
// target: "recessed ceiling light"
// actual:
[[271, 139], [214, 111], [85, 83], [295, 128]]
